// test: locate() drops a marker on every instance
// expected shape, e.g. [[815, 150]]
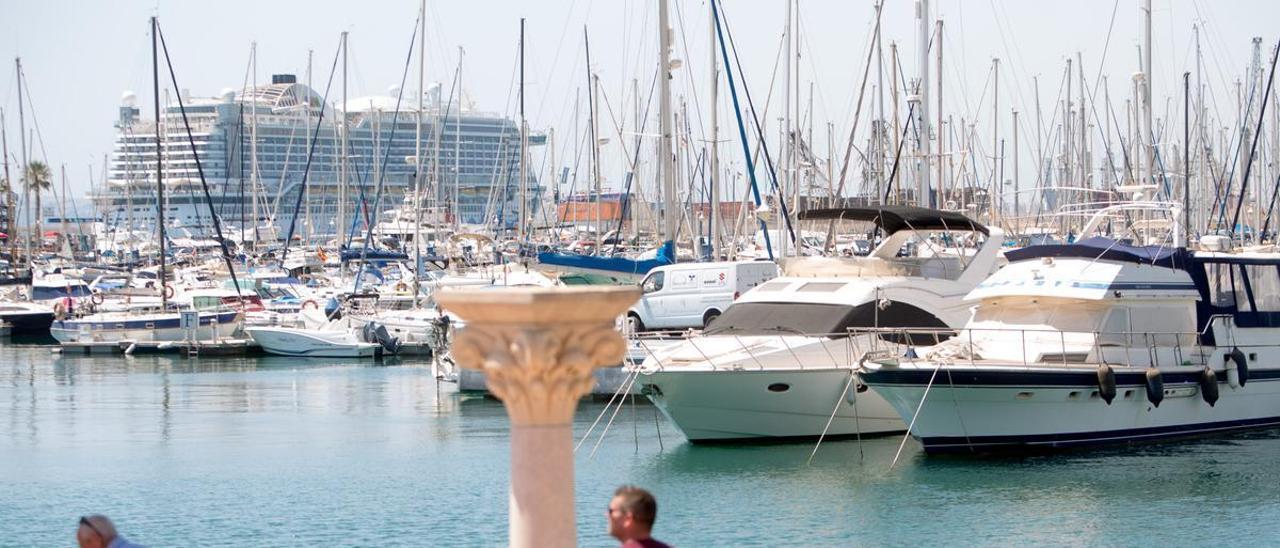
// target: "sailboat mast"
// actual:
[[713, 172], [344, 126], [1147, 129], [307, 189], [155, 83], [670, 213], [417, 154], [524, 133], [457, 147], [253, 144], [922, 120], [8, 190], [22, 142]]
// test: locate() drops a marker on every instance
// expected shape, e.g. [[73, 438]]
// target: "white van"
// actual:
[[686, 295]]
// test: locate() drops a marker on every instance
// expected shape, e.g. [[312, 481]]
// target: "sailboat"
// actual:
[[164, 325]]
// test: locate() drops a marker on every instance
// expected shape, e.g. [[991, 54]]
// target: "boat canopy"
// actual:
[[1105, 248], [895, 218]]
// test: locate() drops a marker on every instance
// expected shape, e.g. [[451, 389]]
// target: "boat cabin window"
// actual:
[[820, 319], [781, 319], [45, 293], [1115, 327], [1264, 285], [653, 283], [1245, 287], [824, 287]]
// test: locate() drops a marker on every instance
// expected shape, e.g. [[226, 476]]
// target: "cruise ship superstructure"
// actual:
[[253, 150]]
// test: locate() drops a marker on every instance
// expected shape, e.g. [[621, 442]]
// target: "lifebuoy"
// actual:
[[401, 287], [168, 292], [59, 310], [97, 298], [310, 303]]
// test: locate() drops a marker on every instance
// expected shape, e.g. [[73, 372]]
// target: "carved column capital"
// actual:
[[538, 347]]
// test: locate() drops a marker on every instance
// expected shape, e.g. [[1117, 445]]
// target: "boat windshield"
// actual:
[[782, 318], [46, 293]]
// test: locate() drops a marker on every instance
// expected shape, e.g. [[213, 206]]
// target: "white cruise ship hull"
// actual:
[[1018, 409], [309, 343], [723, 405]]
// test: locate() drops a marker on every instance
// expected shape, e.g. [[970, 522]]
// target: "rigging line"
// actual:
[[857, 116], [688, 67], [1223, 183], [737, 113], [386, 155], [555, 59], [635, 159], [1262, 113], [217, 226], [770, 170], [310, 155]]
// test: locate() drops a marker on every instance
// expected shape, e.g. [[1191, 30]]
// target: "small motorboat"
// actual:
[[26, 317], [313, 343]]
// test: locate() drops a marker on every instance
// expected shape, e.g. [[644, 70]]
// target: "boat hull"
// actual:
[[302, 343], [769, 405], [1005, 410], [146, 328]]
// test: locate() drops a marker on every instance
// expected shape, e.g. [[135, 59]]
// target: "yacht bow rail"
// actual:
[[1046, 347]]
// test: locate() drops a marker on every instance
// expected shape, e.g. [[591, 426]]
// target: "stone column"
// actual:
[[537, 349]]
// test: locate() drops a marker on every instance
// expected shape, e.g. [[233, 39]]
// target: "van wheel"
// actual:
[[633, 321], [709, 317]]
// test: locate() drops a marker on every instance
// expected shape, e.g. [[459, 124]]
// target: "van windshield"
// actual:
[[785, 318]]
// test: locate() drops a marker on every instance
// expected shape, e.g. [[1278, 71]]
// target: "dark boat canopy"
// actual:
[[1105, 248], [896, 218]]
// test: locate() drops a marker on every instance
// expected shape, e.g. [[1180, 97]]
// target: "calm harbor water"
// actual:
[[278, 452]]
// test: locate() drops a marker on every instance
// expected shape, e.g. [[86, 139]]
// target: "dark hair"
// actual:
[[637, 502]]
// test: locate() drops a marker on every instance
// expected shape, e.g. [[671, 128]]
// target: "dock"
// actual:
[[186, 349]]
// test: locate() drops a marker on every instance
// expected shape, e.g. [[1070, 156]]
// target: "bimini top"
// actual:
[[896, 218], [1107, 249]]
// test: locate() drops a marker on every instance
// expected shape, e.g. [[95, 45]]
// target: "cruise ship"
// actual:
[[253, 149]]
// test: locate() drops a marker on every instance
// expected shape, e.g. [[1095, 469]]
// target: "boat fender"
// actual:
[[310, 303], [1155, 386], [1242, 365], [1209, 386], [1106, 383]]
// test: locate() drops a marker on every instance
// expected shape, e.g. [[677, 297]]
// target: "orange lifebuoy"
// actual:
[[310, 303]]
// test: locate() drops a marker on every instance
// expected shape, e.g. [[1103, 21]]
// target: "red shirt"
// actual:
[[645, 543]]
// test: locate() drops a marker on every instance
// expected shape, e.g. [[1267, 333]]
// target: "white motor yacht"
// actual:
[[777, 363], [1096, 343]]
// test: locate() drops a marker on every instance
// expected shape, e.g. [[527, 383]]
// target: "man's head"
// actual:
[[96, 531], [632, 512]]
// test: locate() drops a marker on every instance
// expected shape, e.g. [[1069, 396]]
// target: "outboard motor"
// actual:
[[375, 332]]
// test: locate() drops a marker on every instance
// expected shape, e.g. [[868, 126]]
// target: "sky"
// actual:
[[78, 58]]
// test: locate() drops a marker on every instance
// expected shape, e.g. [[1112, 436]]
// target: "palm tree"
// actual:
[[37, 178]]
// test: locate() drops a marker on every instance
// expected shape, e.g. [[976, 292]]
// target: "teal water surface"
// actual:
[[290, 452]]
